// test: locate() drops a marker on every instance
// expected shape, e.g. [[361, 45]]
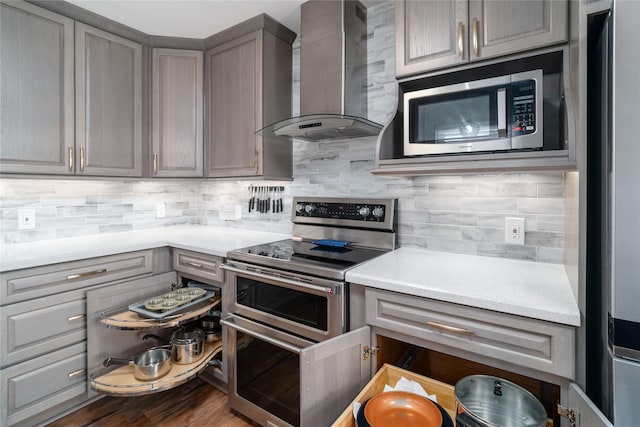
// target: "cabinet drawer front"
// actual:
[[202, 265], [531, 343], [39, 384], [36, 327], [20, 285]]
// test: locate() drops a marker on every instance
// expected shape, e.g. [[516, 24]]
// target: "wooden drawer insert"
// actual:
[[390, 375]]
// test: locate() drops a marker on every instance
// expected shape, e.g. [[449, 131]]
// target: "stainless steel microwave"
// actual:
[[495, 114]]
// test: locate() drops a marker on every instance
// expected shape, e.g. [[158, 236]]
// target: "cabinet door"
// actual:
[[234, 107], [177, 113], [332, 373], [499, 27], [108, 104], [430, 34], [36, 63]]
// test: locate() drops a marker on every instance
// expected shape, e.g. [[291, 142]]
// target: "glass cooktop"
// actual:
[[306, 257]]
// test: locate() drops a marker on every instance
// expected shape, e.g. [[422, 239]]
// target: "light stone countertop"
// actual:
[[523, 288], [199, 238], [536, 290]]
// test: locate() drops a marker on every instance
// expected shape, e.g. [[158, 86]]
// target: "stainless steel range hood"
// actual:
[[333, 74]]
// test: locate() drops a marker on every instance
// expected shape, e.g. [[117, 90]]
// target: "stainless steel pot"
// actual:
[[147, 366], [186, 345], [486, 401]]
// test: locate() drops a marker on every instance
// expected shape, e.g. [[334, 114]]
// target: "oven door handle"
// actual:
[[231, 323], [262, 275]]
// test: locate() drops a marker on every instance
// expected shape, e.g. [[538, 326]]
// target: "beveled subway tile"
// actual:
[[508, 189], [452, 245], [488, 204], [114, 228], [541, 206], [453, 189], [453, 218], [65, 210], [438, 203], [550, 189], [495, 235], [544, 238], [503, 250], [432, 230], [551, 223]]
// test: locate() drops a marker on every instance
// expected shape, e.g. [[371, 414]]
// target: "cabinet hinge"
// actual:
[[563, 411], [369, 351]]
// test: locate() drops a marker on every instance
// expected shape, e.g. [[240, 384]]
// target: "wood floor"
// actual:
[[193, 404]]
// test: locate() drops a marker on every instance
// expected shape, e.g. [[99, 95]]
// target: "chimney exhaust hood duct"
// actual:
[[333, 74]]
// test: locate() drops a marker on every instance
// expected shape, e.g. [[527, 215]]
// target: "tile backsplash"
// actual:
[[453, 213]]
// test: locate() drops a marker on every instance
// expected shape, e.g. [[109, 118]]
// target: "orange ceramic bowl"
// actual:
[[402, 409]]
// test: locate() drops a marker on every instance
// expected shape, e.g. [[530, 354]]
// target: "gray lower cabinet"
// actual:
[[177, 113], [37, 89], [247, 87], [43, 328], [108, 104], [438, 34]]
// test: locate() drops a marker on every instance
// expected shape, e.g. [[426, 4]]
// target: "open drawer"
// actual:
[[390, 375]]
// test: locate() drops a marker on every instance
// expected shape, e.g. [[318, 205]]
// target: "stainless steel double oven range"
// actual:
[[289, 295]]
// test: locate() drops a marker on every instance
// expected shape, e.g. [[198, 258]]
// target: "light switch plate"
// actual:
[[514, 231]]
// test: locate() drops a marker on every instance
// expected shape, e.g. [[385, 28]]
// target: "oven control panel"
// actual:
[[373, 213], [352, 211]]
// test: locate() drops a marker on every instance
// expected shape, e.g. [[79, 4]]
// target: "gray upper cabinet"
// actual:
[[36, 125], [108, 104], [177, 113], [247, 87], [438, 34]]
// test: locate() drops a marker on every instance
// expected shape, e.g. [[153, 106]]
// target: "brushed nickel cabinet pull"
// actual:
[[194, 264], [461, 40], [475, 36], [448, 328], [81, 159], [70, 159], [76, 373], [88, 273], [76, 317], [155, 163]]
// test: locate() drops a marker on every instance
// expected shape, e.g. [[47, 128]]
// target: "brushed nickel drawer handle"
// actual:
[[460, 40], [70, 159], [81, 159], [448, 328], [88, 273], [76, 317], [194, 264], [155, 163], [78, 372], [475, 36]]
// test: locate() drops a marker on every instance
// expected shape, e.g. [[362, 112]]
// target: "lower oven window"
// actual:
[[269, 377], [298, 306]]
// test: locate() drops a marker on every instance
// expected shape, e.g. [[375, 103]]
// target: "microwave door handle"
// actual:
[[502, 112]]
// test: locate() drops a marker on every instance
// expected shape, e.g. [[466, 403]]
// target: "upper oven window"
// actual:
[[297, 306]]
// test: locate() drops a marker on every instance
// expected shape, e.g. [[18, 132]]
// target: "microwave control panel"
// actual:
[[523, 107]]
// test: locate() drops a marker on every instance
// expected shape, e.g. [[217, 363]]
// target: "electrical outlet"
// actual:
[[514, 231], [238, 211], [160, 211], [26, 219]]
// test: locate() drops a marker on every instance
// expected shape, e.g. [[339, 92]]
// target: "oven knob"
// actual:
[[364, 211], [310, 209], [378, 212], [299, 208]]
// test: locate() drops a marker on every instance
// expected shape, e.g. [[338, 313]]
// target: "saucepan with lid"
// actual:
[[486, 401], [186, 345]]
